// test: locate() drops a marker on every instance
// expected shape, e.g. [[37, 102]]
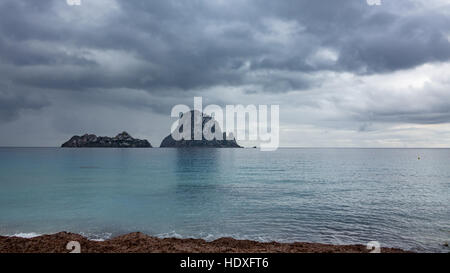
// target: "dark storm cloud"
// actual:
[[194, 44], [404, 43], [170, 49], [13, 103]]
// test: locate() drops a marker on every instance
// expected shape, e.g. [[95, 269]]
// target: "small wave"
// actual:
[[25, 235], [211, 237], [98, 237], [171, 234]]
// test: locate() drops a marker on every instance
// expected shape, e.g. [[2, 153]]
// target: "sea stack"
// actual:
[[122, 140], [198, 117]]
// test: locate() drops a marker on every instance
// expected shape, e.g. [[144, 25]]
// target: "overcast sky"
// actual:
[[345, 74]]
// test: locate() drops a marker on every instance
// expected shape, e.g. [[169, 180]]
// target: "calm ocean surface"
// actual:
[[339, 196]]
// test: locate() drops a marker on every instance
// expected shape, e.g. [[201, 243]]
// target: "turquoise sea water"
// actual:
[[340, 196]]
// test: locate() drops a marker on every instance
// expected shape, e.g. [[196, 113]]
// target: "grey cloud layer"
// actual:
[[188, 44], [172, 48]]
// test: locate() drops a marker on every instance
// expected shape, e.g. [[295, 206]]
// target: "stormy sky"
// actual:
[[345, 73]]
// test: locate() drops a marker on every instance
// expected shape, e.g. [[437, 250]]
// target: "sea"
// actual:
[[397, 197]]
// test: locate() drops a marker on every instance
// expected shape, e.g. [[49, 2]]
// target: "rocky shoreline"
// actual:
[[141, 243]]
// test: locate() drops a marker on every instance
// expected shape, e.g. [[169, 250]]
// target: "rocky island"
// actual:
[[225, 142], [122, 140]]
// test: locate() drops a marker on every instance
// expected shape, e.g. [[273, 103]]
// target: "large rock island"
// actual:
[[225, 142], [122, 140]]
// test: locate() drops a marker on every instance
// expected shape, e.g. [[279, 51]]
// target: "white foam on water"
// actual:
[[92, 237], [97, 237], [25, 235], [211, 237], [98, 240], [171, 234]]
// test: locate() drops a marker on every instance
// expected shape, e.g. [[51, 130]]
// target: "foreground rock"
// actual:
[[122, 140], [141, 243], [200, 118]]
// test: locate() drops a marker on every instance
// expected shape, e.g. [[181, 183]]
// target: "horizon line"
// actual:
[[248, 147]]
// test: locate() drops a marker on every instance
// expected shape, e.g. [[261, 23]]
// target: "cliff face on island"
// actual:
[[225, 142], [122, 140]]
